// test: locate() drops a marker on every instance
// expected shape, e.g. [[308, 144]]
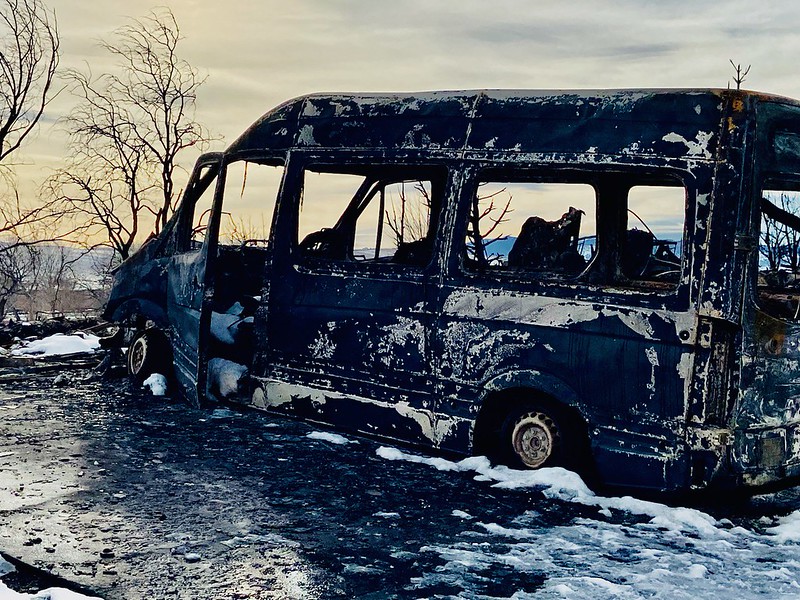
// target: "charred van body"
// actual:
[[549, 278]]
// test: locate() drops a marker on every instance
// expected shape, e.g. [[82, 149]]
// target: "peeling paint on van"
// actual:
[[677, 380], [394, 340], [433, 426], [698, 147], [550, 312]]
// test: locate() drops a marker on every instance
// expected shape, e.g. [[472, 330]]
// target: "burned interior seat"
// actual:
[[549, 245], [328, 243], [647, 257], [638, 250], [417, 253]]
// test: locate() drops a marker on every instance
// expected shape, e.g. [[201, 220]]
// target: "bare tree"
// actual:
[[408, 215], [17, 265], [485, 217], [28, 60], [741, 74], [29, 47], [128, 131]]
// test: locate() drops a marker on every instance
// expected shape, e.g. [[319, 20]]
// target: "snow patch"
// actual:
[[565, 485], [462, 515], [59, 344], [48, 594], [333, 438], [157, 384], [224, 376], [787, 529], [225, 326]]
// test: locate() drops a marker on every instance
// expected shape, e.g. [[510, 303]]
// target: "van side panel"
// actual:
[[617, 366]]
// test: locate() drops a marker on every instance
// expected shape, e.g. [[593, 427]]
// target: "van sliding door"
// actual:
[[349, 316]]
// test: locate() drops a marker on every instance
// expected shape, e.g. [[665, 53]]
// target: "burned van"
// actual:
[[602, 280]]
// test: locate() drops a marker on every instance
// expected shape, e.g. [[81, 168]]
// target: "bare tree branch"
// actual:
[[28, 59], [128, 131]]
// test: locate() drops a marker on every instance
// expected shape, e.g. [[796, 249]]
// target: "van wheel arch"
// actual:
[[136, 313], [525, 428]]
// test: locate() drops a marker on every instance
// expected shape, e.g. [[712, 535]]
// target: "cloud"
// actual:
[[258, 53]]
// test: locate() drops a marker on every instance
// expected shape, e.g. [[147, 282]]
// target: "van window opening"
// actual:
[[249, 197], [251, 189], [779, 252], [548, 230], [197, 205], [380, 215], [531, 226], [654, 235]]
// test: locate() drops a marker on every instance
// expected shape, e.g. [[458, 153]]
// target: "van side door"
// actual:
[[186, 275], [349, 310]]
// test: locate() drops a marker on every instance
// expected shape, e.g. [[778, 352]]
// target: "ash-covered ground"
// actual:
[[133, 496]]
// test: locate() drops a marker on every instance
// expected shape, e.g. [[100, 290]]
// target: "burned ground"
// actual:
[[133, 496], [119, 491]]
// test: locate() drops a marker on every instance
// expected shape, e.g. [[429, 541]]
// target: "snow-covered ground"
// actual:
[[47, 594], [629, 549], [59, 344]]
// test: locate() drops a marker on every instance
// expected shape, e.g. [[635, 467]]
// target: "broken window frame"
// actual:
[[776, 297], [613, 218], [200, 184], [377, 175], [271, 203]]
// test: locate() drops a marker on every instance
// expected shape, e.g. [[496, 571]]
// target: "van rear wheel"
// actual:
[[148, 353], [535, 439], [532, 437]]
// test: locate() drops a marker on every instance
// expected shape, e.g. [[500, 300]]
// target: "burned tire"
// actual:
[[148, 353]]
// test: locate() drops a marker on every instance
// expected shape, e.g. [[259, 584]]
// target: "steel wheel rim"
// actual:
[[534, 439], [138, 355]]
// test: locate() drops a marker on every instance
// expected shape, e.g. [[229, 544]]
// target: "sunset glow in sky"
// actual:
[[258, 53]]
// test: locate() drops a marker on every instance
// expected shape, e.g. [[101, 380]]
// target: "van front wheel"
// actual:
[[148, 353]]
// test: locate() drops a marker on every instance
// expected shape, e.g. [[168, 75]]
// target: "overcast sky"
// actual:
[[257, 53]]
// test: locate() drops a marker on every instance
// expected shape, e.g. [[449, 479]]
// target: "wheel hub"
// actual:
[[534, 439]]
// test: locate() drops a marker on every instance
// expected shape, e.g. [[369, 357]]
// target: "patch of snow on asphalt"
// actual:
[[59, 344], [333, 438]]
